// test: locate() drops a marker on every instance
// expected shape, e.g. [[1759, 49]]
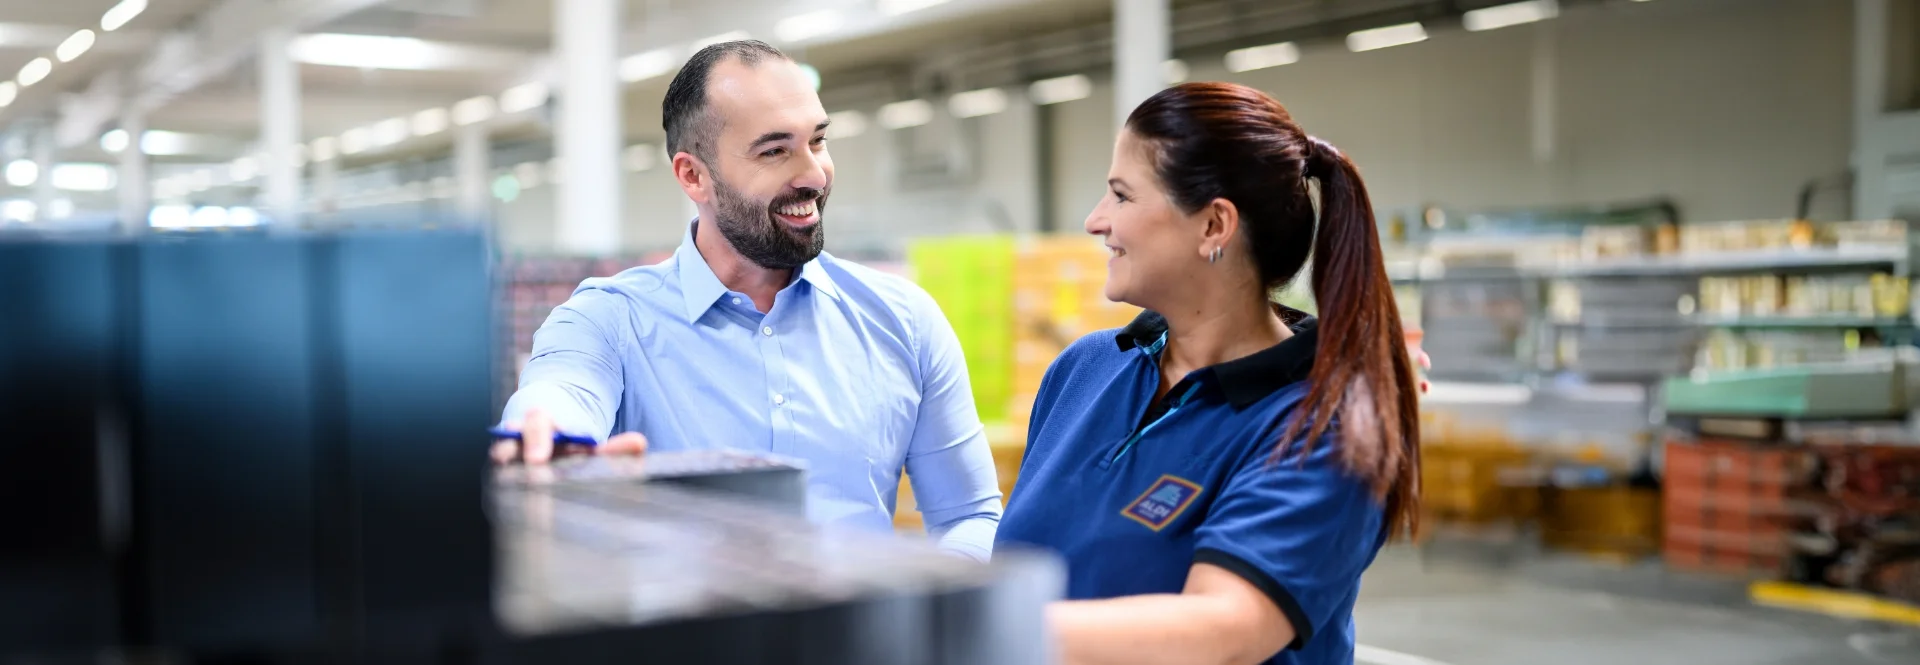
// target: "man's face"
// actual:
[[770, 171]]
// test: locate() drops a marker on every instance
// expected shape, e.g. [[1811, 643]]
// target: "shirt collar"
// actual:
[[1245, 380], [700, 288]]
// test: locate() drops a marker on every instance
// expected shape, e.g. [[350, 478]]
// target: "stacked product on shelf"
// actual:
[[971, 278], [1059, 296], [1725, 504], [1862, 529]]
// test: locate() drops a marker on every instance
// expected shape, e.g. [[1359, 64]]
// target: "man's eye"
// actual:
[[775, 152], [820, 140]]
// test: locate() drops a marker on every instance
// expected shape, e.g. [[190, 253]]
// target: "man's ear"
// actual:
[[693, 176]]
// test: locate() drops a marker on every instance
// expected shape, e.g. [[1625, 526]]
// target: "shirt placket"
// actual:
[[779, 387]]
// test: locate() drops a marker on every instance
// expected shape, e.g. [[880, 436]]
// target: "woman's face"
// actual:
[[1154, 246]]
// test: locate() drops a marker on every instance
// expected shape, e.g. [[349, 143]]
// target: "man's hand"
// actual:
[[536, 443]]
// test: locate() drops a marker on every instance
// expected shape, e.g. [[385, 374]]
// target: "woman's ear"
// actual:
[[1220, 222]]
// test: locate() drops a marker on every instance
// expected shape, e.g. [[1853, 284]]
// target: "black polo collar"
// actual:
[[1250, 379]]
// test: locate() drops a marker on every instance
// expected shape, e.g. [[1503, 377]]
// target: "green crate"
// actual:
[[1791, 392], [971, 277]]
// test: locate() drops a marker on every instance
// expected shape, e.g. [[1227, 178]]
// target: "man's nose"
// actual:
[[813, 174]]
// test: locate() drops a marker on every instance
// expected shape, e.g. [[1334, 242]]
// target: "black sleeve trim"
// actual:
[[1302, 628]]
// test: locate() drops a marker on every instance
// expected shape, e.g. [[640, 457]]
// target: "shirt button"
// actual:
[[779, 400], [768, 331], [736, 301]]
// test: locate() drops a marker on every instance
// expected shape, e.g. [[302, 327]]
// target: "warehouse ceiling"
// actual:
[[483, 47]]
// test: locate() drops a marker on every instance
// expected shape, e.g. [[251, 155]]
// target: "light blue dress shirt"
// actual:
[[855, 371]]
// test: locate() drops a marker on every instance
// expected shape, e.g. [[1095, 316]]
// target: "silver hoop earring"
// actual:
[[1215, 257]]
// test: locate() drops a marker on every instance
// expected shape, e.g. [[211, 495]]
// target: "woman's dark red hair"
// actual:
[[1226, 141]]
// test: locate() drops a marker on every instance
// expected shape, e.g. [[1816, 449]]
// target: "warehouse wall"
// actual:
[[1728, 106]]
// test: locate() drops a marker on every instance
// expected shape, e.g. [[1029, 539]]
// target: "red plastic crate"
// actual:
[[1725, 504]]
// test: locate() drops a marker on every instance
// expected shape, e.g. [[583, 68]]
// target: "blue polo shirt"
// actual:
[[1133, 493]]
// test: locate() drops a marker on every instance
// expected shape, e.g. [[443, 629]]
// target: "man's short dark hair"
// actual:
[[690, 127]]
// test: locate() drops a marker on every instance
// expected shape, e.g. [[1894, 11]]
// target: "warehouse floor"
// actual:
[[1449, 606]]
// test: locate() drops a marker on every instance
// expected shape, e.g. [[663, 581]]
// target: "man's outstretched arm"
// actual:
[[572, 383], [949, 461]]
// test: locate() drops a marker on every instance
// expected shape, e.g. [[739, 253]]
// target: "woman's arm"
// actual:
[[1218, 619]]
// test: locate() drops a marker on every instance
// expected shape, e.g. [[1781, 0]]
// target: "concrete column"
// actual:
[[1142, 43], [43, 158], [136, 188], [587, 135], [1870, 196], [326, 187], [279, 128], [471, 166]]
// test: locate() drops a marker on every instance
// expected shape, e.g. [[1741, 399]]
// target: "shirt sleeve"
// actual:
[[574, 373], [949, 460], [1302, 531]]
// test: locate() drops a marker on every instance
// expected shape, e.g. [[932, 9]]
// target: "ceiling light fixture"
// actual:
[[807, 26], [75, 46], [115, 141], [355, 141], [1509, 15], [638, 157], [642, 66], [910, 113], [35, 71], [431, 121], [473, 110], [324, 149], [1262, 57], [121, 13], [243, 169], [362, 51], [390, 131], [1389, 36], [1060, 90], [1174, 71], [976, 103], [846, 124], [9, 91], [729, 36], [523, 97], [83, 177], [22, 173]]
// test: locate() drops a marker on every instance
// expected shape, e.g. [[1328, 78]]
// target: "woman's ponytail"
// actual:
[[1362, 374]]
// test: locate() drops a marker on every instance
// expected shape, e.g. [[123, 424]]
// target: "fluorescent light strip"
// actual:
[[362, 51], [74, 46], [523, 97], [638, 157], [1262, 57], [115, 141], [730, 36], [1389, 36], [846, 124], [1060, 90], [121, 13], [22, 173], [35, 71], [976, 103], [9, 91], [1174, 71], [244, 169], [324, 149], [473, 110], [355, 141], [910, 113], [807, 26], [431, 121], [642, 66], [1509, 15]]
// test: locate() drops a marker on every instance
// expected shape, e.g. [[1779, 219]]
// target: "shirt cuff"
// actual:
[[1302, 628]]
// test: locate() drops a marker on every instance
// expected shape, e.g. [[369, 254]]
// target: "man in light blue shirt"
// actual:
[[753, 338]]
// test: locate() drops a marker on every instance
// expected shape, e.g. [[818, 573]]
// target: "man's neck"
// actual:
[[735, 271]]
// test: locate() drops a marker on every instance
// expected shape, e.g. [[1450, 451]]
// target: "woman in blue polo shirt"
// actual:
[[1219, 473]]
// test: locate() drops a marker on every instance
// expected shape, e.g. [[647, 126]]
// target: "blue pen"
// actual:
[[558, 437]]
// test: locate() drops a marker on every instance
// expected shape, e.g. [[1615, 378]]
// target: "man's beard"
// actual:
[[754, 231]]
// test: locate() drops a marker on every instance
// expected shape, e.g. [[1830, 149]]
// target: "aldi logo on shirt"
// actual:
[[1166, 499]]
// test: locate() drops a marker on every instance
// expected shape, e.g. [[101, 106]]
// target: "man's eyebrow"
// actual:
[[823, 125], [770, 137]]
